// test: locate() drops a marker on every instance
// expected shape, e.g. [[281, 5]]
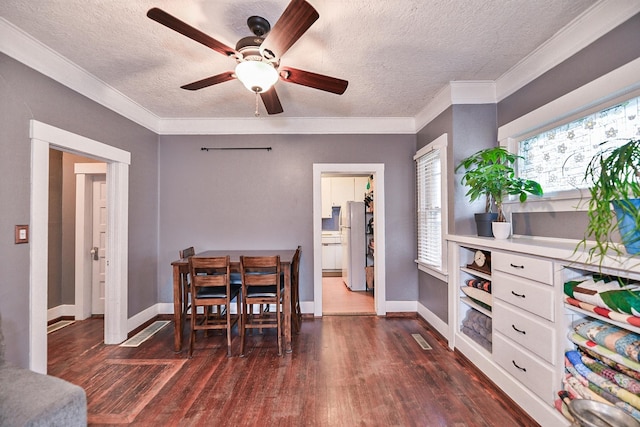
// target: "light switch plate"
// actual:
[[22, 234]]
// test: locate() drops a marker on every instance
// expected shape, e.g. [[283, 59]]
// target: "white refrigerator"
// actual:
[[352, 237]]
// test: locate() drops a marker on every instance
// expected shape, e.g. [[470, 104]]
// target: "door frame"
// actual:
[[377, 170], [85, 173], [43, 137]]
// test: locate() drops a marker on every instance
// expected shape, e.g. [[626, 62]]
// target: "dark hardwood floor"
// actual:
[[344, 371]]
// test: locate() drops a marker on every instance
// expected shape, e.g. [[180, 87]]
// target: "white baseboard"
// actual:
[[145, 315], [64, 310], [439, 325], [401, 306]]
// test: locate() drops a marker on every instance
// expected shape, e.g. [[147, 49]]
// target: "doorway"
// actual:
[[345, 250], [377, 170], [44, 137]]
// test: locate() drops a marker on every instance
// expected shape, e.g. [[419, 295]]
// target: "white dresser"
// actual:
[[529, 318]]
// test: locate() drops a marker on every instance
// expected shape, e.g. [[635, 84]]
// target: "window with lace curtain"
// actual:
[[557, 158], [432, 206]]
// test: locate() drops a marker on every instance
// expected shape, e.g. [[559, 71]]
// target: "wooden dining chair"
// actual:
[[211, 287], [261, 284], [296, 312], [185, 282]]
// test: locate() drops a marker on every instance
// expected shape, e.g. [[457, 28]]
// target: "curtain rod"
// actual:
[[234, 148]]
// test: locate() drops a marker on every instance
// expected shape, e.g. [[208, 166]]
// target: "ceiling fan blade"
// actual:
[[316, 81], [294, 22], [183, 28], [210, 81], [271, 101]]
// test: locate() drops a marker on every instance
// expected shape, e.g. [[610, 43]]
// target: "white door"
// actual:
[[98, 250]]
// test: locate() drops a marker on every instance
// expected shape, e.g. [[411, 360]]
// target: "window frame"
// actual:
[[612, 88], [440, 144]]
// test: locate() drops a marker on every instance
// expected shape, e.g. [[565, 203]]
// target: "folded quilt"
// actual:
[[480, 339], [619, 367], [619, 297], [603, 351], [574, 358], [616, 377], [615, 339], [604, 312]]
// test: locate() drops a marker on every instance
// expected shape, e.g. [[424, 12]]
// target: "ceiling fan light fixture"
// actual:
[[256, 76]]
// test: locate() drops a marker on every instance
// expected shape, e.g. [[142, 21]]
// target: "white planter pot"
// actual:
[[501, 230]]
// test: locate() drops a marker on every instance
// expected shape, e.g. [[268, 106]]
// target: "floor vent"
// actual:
[[421, 341]]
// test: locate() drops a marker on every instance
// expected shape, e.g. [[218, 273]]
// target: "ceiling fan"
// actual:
[[258, 56]]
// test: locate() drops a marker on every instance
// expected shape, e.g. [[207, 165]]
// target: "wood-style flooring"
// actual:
[[344, 371], [338, 299]]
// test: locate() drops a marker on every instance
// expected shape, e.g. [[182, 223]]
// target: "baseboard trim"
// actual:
[[433, 320], [63, 310]]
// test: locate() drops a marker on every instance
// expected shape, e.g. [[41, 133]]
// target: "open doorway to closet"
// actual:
[[334, 280]]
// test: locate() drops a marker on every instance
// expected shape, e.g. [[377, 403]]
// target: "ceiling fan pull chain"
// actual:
[[257, 113]]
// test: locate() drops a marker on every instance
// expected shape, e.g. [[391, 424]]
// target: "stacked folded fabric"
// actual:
[[605, 367], [477, 326], [613, 298], [479, 290]]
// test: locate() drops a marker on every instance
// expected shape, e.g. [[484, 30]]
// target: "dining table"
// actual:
[[181, 267]]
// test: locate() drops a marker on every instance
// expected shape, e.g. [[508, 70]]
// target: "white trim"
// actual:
[[401, 306], [377, 170], [147, 314], [611, 85], [24, 48], [288, 125], [85, 173], [456, 92], [39, 255], [63, 310], [592, 24], [440, 143], [43, 137], [434, 321], [440, 275]]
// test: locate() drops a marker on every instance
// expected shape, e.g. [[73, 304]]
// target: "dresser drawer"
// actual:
[[533, 373], [534, 297], [540, 270], [525, 329]]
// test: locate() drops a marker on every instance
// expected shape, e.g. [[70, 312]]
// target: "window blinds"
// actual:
[[429, 183]]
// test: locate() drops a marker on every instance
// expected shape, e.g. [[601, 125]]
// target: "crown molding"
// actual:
[[288, 125], [457, 92], [23, 48], [601, 18], [592, 24]]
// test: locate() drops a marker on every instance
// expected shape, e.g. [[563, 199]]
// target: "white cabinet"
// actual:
[[336, 191], [331, 253], [523, 356], [325, 189], [341, 190]]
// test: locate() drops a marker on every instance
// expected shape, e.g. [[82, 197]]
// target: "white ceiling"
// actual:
[[397, 55]]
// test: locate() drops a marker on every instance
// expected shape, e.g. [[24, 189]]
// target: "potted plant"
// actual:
[[614, 178], [490, 173]]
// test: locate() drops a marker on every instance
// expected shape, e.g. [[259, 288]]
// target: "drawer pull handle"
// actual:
[[516, 266], [519, 295], [516, 365], [518, 330]]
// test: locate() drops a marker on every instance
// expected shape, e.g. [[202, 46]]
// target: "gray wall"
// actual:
[[616, 48], [470, 128], [264, 199], [620, 46], [24, 95]]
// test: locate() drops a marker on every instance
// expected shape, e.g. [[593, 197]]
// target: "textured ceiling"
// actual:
[[396, 55]]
